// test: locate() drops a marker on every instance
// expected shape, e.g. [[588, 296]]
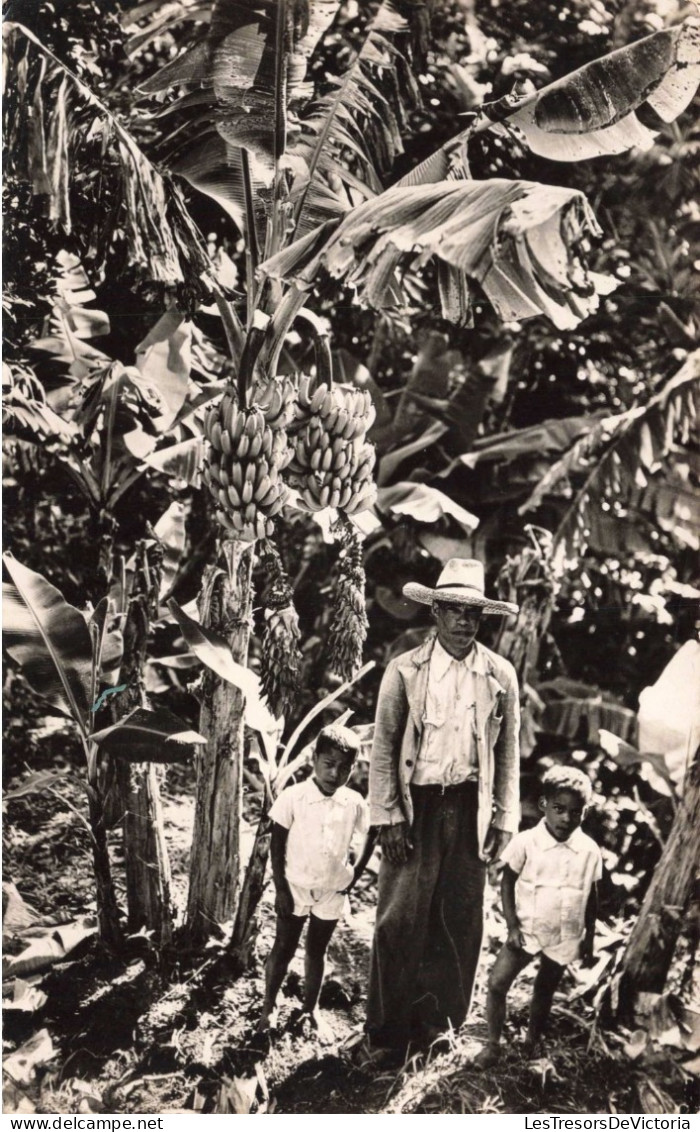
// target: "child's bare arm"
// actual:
[[515, 936], [284, 901], [361, 863], [586, 950]]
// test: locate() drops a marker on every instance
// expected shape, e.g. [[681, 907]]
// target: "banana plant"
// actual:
[[107, 424], [278, 762], [302, 170], [302, 164], [63, 653]]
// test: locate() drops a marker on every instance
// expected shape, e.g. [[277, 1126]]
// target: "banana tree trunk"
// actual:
[[653, 939], [245, 927], [146, 860], [215, 859], [109, 924]]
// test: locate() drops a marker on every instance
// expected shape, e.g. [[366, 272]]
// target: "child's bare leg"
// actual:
[[509, 963], [317, 940], [287, 934], [546, 982]]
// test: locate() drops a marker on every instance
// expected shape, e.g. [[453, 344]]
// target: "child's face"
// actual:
[[332, 769], [563, 812]]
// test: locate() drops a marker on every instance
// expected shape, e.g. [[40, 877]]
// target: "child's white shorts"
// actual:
[[326, 904]]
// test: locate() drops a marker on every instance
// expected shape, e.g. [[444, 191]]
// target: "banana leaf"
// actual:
[[652, 767], [519, 240], [215, 654], [170, 532], [618, 455], [547, 439], [247, 105], [49, 639], [149, 736], [181, 461], [164, 361], [594, 110], [424, 504], [239, 87], [358, 125], [67, 332], [162, 240]]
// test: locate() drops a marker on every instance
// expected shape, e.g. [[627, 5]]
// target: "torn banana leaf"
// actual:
[[523, 242], [615, 103]]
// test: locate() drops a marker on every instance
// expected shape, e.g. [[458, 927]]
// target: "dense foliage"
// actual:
[[581, 427]]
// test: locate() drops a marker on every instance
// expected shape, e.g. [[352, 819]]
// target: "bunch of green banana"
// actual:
[[348, 628], [277, 399], [332, 461], [242, 467], [280, 658]]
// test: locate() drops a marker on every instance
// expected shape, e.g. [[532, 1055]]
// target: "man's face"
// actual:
[[457, 625]]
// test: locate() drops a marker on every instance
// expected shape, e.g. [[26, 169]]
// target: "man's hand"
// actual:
[[585, 951], [284, 901], [349, 887], [515, 939], [396, 843], [495, 843]]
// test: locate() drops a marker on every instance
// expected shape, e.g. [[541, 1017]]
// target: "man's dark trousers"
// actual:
[[429, 924]]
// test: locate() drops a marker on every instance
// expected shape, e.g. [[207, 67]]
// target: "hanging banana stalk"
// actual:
[[349, 623], [280, 657]]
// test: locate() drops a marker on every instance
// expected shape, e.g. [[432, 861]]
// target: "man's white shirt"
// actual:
[[447, 752]]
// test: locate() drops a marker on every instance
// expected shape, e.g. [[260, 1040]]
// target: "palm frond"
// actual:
[[50, 115], [620, 455], [521, 241]]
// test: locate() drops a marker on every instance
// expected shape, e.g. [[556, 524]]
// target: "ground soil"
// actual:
[[150, 1034]]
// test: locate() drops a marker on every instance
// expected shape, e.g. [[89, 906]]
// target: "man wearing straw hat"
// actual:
[[443, 789]]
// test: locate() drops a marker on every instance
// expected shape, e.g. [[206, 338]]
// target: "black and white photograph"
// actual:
[[351, 561]]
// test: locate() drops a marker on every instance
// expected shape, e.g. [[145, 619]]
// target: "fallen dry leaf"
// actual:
[[236, 1095], [20, 1065]]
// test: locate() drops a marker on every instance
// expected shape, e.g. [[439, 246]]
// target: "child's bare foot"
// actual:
[[489, 1056], [267, 1020], [313, 1022]]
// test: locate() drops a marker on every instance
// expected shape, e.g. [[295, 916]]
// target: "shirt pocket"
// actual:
[[434, 719], [496, 719]]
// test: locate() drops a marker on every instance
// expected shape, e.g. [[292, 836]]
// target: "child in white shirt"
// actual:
[[550, 904], [314, 822]]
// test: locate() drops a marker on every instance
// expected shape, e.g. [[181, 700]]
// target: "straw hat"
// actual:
[[462, 580]]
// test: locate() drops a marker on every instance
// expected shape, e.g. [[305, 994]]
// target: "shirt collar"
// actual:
[[546, 841], [315, 795], [442, 659]]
